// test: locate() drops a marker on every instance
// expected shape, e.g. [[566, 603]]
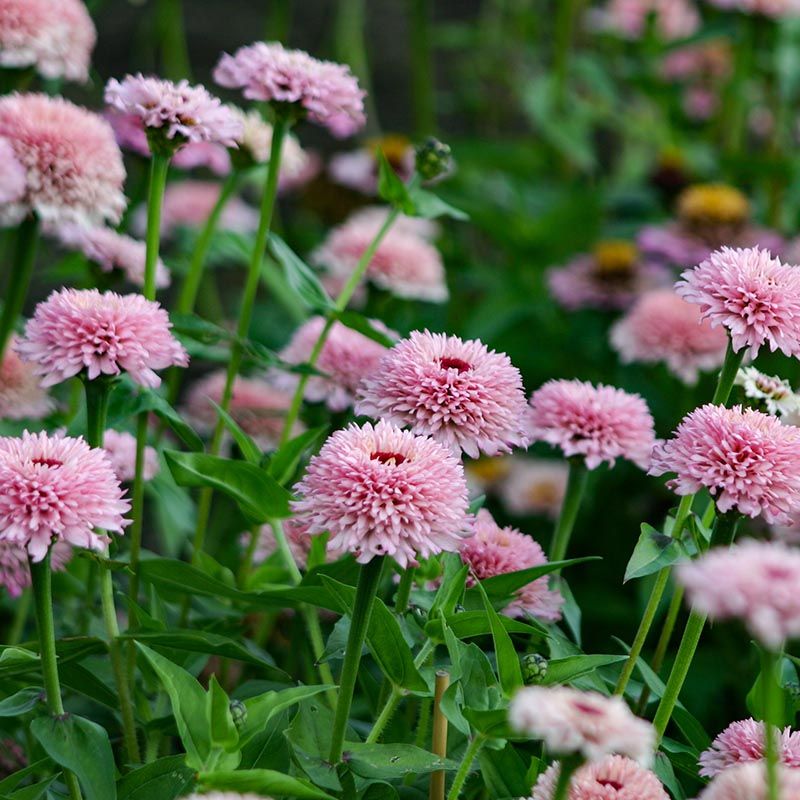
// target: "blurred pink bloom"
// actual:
[[674, 19], [111, 251], [13, 178], [749, 782], [747, 460], [120, 447], [458, 391], [72, 163], [328, 92], [661, 326], [613, 778], [753, 581], [226, 796], [15, 574], [769, 8], [12, 757], [571, 721], [703, 60], [742, 742], [773, 393], [534, 486], [700, 102], [382, 491], [54, 487], [180, 111], [57, 38], [299, 543], [609, 278], [493, 550], [752, 294], [21, 392], [105, 334], [599, 423]]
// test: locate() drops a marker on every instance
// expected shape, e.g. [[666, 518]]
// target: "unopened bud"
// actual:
[[239, 713], [534, 668], [434, 159]]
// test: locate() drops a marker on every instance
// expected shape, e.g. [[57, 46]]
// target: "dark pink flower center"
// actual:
[[587, 708], [615, 785], [388, 458], [454, 363], [48, 462]]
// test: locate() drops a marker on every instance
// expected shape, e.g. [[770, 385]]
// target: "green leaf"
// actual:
[[164, 779], [430, 206], [564, 670], [300, 277], [16, 778], [262, 708], [33, 792], [491, 722], [451, 587], [249, 449], [262, 781], [393, 760], [507, 660], [477, 504], [391, 188], [663, 769], [223, 730], [283, 463], [310, 738], [199, 329], [259, 496], [366, 327], [653, 552], [21, 702], [82, 747], [504, 772], [167, 414], [468, 624]]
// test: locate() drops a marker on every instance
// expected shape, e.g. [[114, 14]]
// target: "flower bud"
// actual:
[[534, 668], [434, 159], [239, 713]]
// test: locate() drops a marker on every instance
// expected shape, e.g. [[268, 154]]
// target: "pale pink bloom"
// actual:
[[13, 178], [493, 550], [382, 491], [749, 782], [358, 169], [599, 423], [750, 293], [742, 742], [661, 326], [72, 163], [104, 334], [753, 581], [611, 277], [747, 460], [226, 796], [774, 393], [458, 391], [769, 8], [111, 251], [613, 778], [328, 92], [57, 38], [571, 721], [700, 102], [21, 393], [534, 486], [257, 406], [347, 357], [180, 111], [703, 60], [299, 543], [120, 447], [15, 575], [405, 264], [674, 19], [55, 487]]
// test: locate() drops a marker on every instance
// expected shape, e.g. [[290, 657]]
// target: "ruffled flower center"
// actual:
[[43, 461], [394, 459], [458, 364], [612, 784]]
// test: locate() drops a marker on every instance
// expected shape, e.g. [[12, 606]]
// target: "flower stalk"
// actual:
[[19, 279], [773, 718], [460, 779], [576, 488]]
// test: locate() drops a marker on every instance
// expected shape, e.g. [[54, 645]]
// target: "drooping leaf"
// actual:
[[653, 552], [391, 188], [365, 326], [393, 760], [21, 702], [262, 708], [430, 206], [564, 670], [164, 779], [300, 277], [283, 463], [244, 442], [507, 660], [262, 781]]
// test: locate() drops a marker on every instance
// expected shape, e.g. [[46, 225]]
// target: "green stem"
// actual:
[[404, 590], [773, 718], [41, 586], [566, 13], [20, 618], [735, 111], [566, 770], [174, 50], [159, 167], [576, 486], [19, 279], [422, 67], [463, 771], [727, 375], [359, 622]]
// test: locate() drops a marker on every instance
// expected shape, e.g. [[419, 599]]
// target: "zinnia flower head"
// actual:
[[111, 251], [749, 782], [55, 38], [174, 113], [570, 721], [382, 491], [72, 163], [599, 423], [752, 294], [458, 391], [674, 19], [327, 92], [776, 9], [55, 487], [347, 357], [610, 278], [613, 778], [15, 574], [534, 486], [299, 543], [747, 460], [742, 742], [21, 392], [775, 393], [661, 326], [755, 582], [13, 178], [120, 447], [104, 334], [493, 550]]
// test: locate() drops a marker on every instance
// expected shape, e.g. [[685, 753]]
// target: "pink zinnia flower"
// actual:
[[611, 278], [534, 486], [493, 550], [21, 392], [105, 334], [459, 392], [258, 406], [749, 782], [54, 487], [404, 264], [347, 358], [15, 575], [769, 8], [752, 581], [13, 178], [661, 326], [120, 448], [181, 112], [613, 778], [55, 38], [570, 721], [111, 251], [328, 92], [599, 423], [382, 491], [73, 166], [674, 19], [742, 742], [749, 461], [750, 293]]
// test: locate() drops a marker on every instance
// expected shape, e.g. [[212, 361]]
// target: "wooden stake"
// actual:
[[439, 743]]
